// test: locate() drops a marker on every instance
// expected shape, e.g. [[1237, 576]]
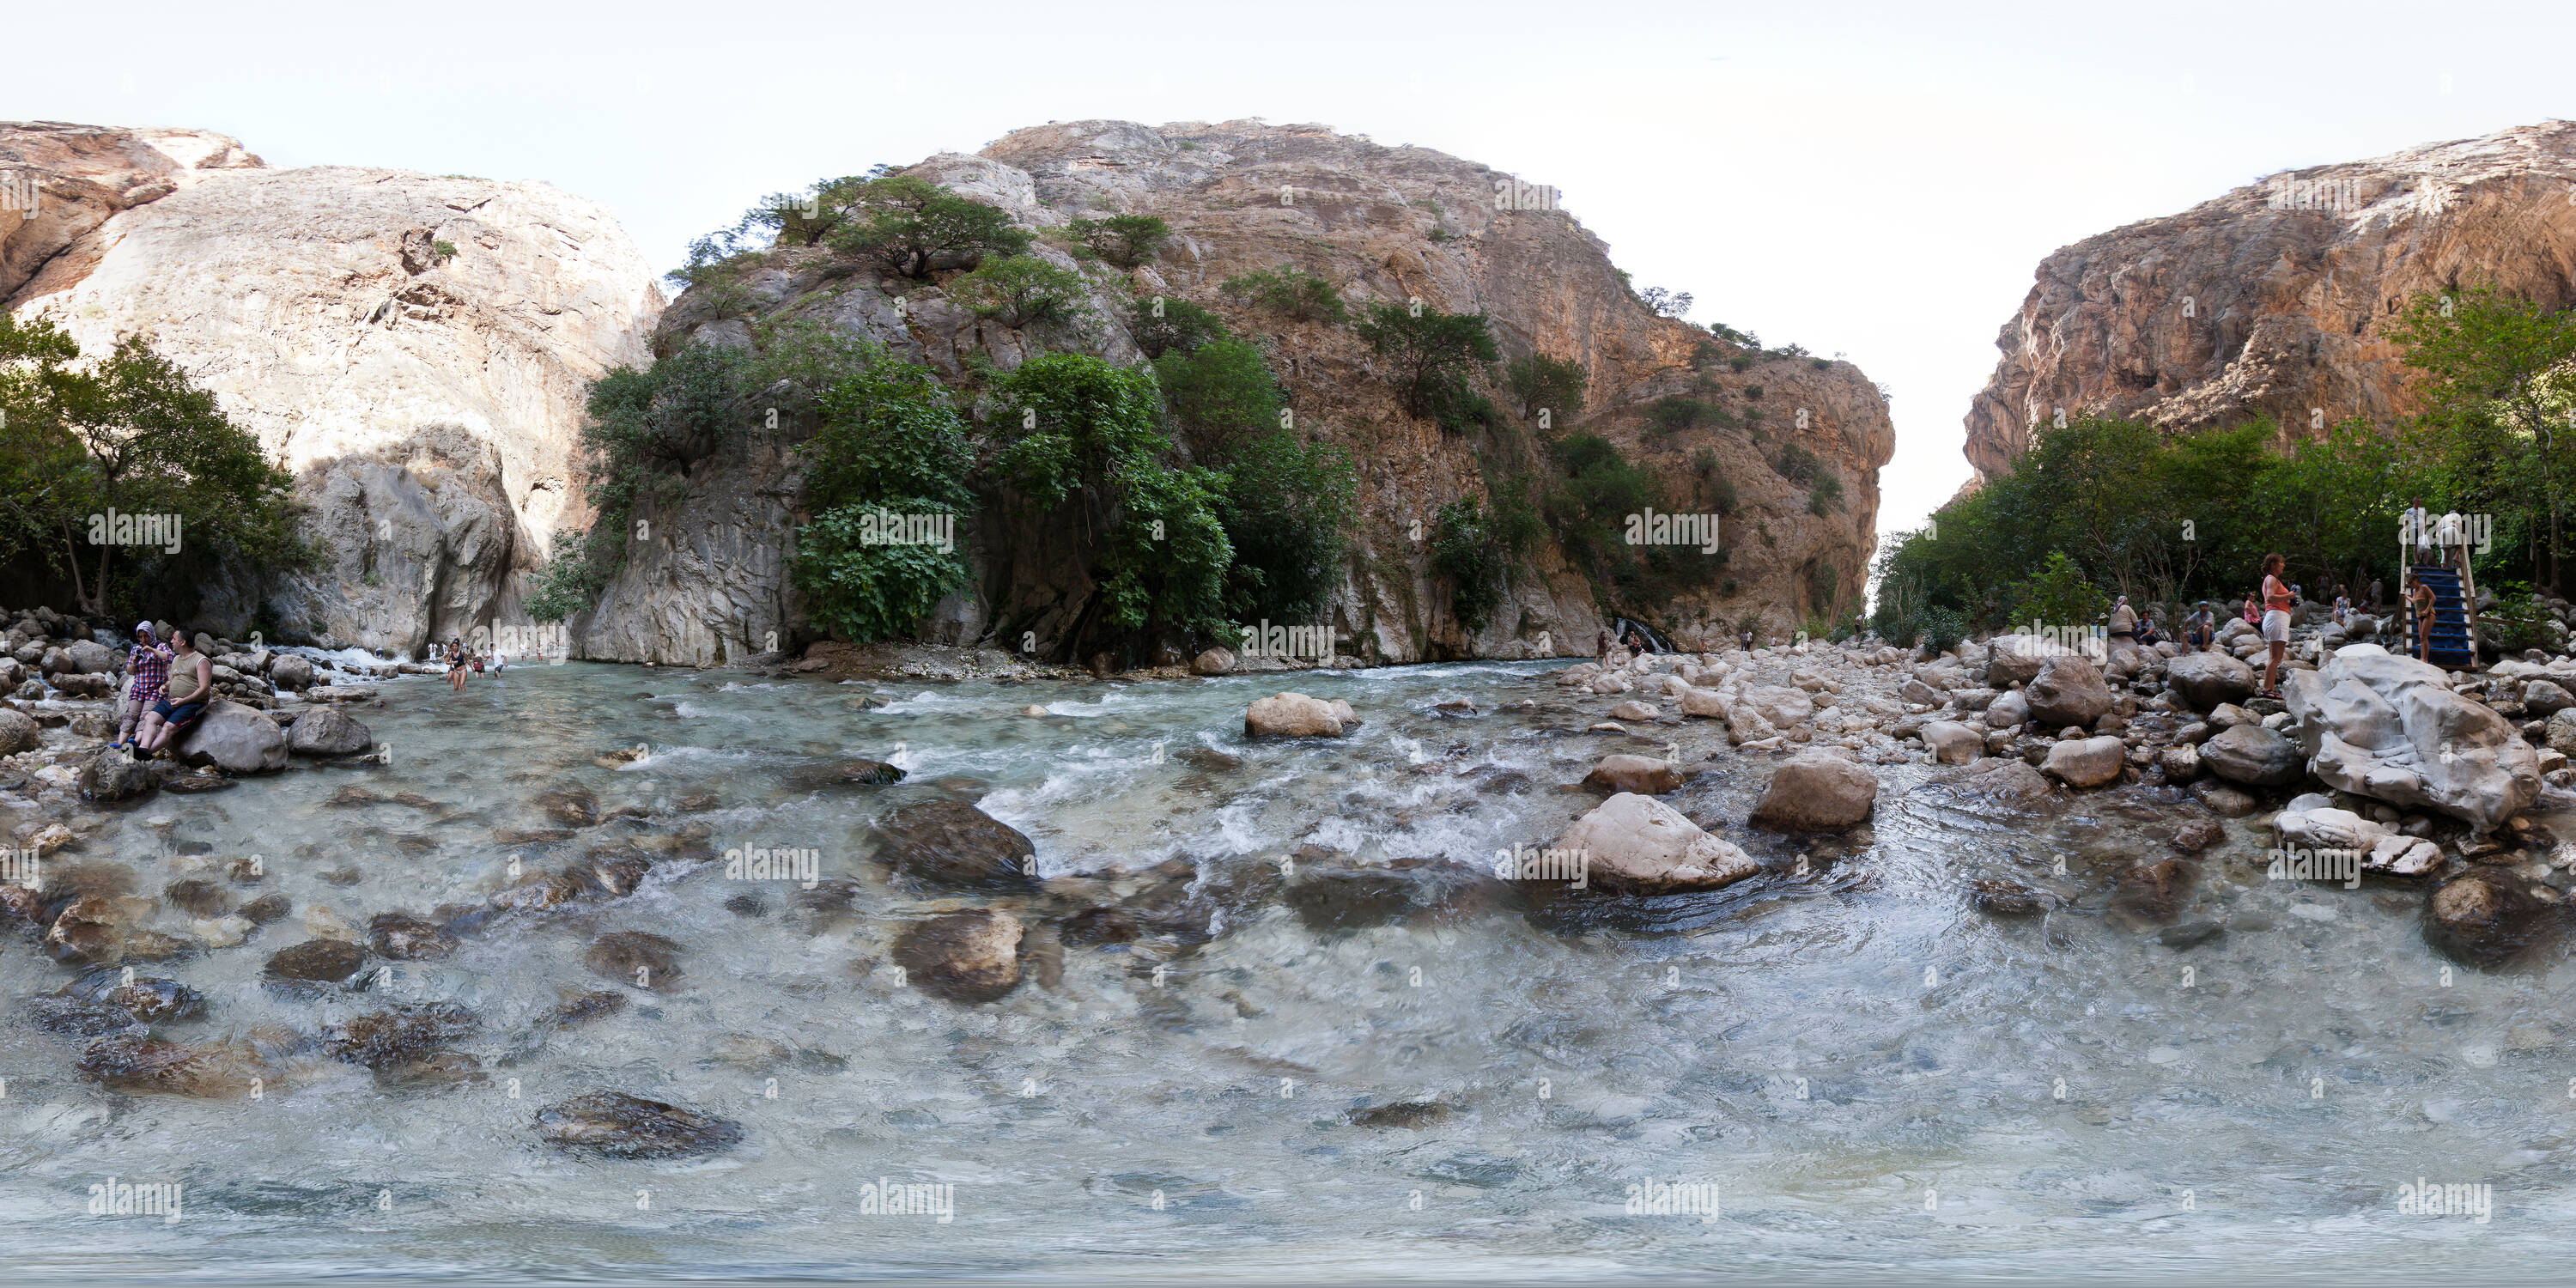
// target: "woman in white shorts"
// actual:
[[2277, 599]]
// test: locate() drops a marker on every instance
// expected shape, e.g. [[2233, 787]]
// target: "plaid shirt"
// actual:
[[148, 673]]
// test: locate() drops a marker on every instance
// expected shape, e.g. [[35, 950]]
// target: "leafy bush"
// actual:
[[1124, 240], [1161, 325], [1671, 304], [891, 443], [1825, 495], [912, 226], [1290, 291], [2057, 595], [1464, 550], [1073, 423], [648, 426], [1540, 382], [1797, 464], [1672, 415], [1020, 291], [1741, 362], [569, 581], [806, 218], [1285, 507], [1220, 392], [1456, 407], [1732, 336], [1822, 364], [1942, 628], [1822, 583], [1432, 354], [1753, 391]]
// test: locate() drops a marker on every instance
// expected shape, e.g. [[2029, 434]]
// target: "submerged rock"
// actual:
[[639, 957], [953, 845], [2482, 918], [114, 776], [2154, 892], [1639, 844], [406, 938], [313, 965], [967, 957], [401, 1033], [1951, 742], [618, 1125], [1817, 791], [572, 807], [1101, 925]]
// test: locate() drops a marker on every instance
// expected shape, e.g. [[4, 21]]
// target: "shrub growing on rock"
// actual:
[[1124, 240], [1290, 292], [1021, 290]]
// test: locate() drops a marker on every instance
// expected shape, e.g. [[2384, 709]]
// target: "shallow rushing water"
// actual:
[[1866, 1067]]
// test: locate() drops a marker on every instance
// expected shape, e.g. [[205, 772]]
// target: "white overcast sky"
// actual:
[[1867, 179]]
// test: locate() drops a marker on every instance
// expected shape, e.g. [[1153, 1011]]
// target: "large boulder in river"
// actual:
[[1816, 791], [1953, 743], [2007, 710], [1215, 661], [91, 657], [2543, 698], [2086, 762], [2380, 848], [955, 846], [2482, 917], [236, 739], [2067, 691], [1644, 775], [329, 731], [291, 671], [967, 957], [2016, 659], [18, 732], [1779, 704], [2208, 679], [1292, 715], [1639, 844], [2253, 755], [2390, 728]]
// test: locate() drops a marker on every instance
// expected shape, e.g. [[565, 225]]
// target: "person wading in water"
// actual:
[[2277, 599]]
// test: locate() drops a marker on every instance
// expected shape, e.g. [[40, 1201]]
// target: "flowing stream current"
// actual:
[[1873, 1074]]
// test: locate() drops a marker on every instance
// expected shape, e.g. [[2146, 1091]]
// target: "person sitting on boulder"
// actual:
[[183, 698], [2196, 629], [147, 669], [2147, 636], [2342, 608]]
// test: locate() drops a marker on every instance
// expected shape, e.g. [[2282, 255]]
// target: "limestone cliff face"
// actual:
[[2274, 298], [430, 403], [1380, 223]]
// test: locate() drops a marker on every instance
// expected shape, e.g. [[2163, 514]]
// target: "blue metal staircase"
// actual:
[[2454, 629]]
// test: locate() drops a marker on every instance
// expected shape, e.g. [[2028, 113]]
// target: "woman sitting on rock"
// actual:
[[147, 669], [183, 699]]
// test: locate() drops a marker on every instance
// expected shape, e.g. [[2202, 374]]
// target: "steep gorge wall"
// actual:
[[429, 403], [1379, 223], [2274, 299]]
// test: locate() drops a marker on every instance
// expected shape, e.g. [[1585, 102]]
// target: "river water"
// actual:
[[1872, 1074]]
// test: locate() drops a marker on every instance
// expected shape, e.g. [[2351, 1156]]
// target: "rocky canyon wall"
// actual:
[[2274, 298], [415, 348]]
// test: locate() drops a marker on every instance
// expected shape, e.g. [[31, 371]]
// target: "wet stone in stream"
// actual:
[[402, 1033], [966, 957], [407, 938], [623, 1126], [639, 957], [953, 845], [313, 967]]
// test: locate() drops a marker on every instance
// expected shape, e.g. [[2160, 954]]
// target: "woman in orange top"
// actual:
[[2277, 602]]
